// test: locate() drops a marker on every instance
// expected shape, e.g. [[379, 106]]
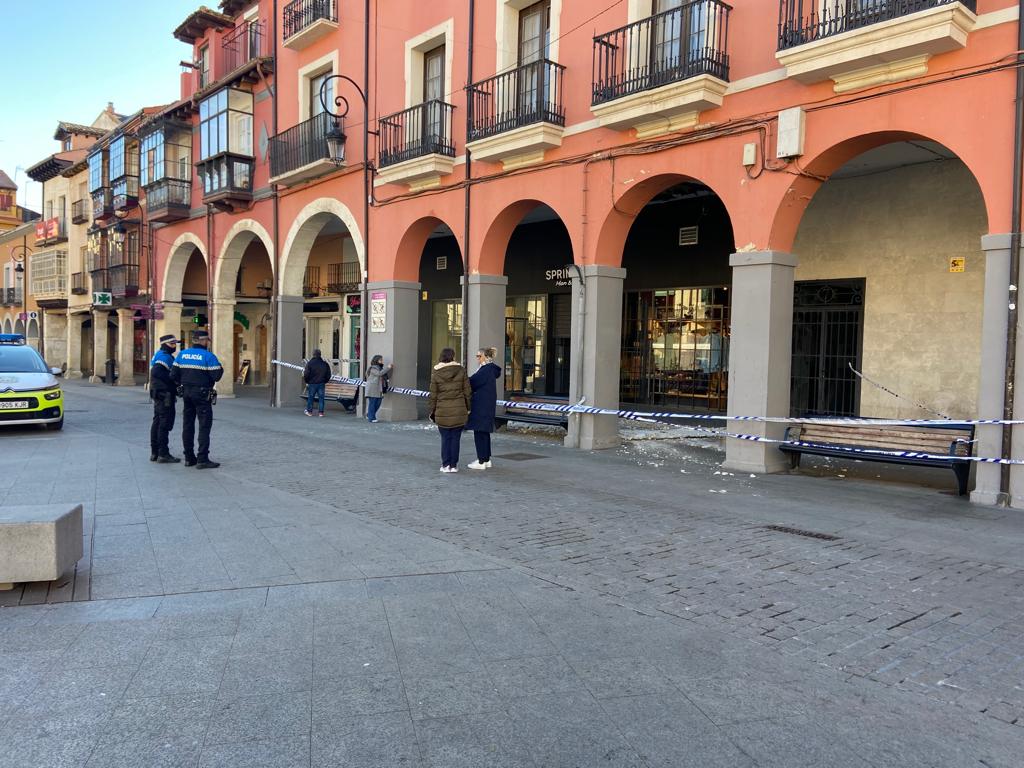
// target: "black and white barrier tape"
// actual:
[[653, 416]]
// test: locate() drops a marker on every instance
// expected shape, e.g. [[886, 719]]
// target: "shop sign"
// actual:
[[47, 228], [378, 311], [353, 304], [560, 277], [102, 299], [957, 263]]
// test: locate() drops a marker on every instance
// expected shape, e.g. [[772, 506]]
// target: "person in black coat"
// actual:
[[316, 375], [483, 405]]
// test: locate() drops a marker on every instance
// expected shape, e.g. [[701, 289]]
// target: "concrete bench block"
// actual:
[[38, 542]]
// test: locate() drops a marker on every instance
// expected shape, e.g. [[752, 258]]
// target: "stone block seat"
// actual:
[[38, 542]]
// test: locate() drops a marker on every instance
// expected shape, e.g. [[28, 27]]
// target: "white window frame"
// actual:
[[415, 48], [326, 63], [507, 31]]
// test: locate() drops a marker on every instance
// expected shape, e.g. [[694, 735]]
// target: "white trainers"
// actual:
[[488, 464], [478, 465], [453, 469], [444, 469]]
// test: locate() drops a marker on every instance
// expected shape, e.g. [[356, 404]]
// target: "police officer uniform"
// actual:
[[161, 392], [196, 370]]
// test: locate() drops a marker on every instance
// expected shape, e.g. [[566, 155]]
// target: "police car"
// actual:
[[29, 391]]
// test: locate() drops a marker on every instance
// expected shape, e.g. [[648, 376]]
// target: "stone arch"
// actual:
[[177, 263], [236, 241], [303, 234], [7, 325], [491, 260], [611, 238], [19, 326], [816, 172], [33, 329], [410, 247]]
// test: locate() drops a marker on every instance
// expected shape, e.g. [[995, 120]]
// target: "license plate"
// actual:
[[13, 405]]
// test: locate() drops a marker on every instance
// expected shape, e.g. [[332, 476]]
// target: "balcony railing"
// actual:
[[804, 21], [300, 14], [415, 132], [246, 43], [342, 277], [311, 282], [102, 204], [100, 280], [124, 280], [226, 176], [80, 212], [531, 93], [78, 287], [300, 145], [11, 297], [665, 48]]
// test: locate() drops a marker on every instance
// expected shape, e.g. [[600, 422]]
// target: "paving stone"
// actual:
[[288, 752], [268, 716]]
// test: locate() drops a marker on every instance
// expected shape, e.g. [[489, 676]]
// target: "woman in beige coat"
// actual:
[[450, 395]]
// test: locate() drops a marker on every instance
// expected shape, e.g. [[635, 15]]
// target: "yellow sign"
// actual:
[[957, 263]]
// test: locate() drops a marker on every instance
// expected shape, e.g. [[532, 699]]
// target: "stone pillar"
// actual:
[[74, 346], [397, 343], [485, 319], [991, 383], [596, 352], [55, 338], [760, 356], [125, 347], [289, 349], [99, 346], [171, 322], [222, 328]]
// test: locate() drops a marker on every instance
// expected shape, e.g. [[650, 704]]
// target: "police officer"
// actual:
[[196, 370], [161, 392]]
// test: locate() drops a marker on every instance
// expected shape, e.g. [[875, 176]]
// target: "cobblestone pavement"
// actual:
[[328, 598]]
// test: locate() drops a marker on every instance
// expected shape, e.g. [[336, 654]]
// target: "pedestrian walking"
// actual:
[[316, 374], [196, 370], [376, 386], [483, 405], [162, 391], [449, 406]]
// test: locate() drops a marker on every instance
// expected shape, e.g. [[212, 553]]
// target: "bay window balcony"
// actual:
[[226, 148], [49, 277], [123, 263], [300, 152], [862, 43], [124, 174], [102, 204], [416, 146], [306, 21], [166, 172], [657, 74], [517, 115], [99, 186], [78, 287]]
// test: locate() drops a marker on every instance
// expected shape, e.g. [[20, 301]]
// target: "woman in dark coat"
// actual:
[[449, 406], [485, 401]]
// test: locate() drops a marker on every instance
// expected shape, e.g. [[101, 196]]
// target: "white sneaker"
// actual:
[[453, 469], [478, 465], [488, 464], [444, 469]]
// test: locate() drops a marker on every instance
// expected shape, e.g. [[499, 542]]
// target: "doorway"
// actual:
[[828, 334]]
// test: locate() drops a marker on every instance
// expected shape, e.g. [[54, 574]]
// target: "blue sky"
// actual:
[[66, 59]]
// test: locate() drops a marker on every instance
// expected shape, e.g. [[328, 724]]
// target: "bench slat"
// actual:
[[928, 446]]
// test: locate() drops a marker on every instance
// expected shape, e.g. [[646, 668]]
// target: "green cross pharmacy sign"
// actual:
[[102, 299]]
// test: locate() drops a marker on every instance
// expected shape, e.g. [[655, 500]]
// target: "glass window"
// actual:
[[316, 82], [225, 123], [204, 66], [152, 158], [97, 177], [117, 158]]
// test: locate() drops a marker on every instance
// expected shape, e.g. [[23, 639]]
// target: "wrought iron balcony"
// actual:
[[311, 282], [531, 93], [102, 204], [301, 151], [80, 212], [416, 132], [342, 277], [301, 15], [11, 297], [100, 279], [168, 199], [226, 177], [125, 193], [78, 287], [124, 280], [665, 48], [245, 43], [804, 21]]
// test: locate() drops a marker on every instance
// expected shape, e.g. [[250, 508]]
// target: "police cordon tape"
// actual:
[[653, 416]]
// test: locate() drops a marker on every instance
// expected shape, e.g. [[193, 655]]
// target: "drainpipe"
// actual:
[[209, 272], [468, 192], [367, 192], [1015, 243], [274, 307]]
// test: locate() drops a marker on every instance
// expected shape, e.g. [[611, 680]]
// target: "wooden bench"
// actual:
[[837, 439], [38, 542], [346, 394], [532, 416]]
